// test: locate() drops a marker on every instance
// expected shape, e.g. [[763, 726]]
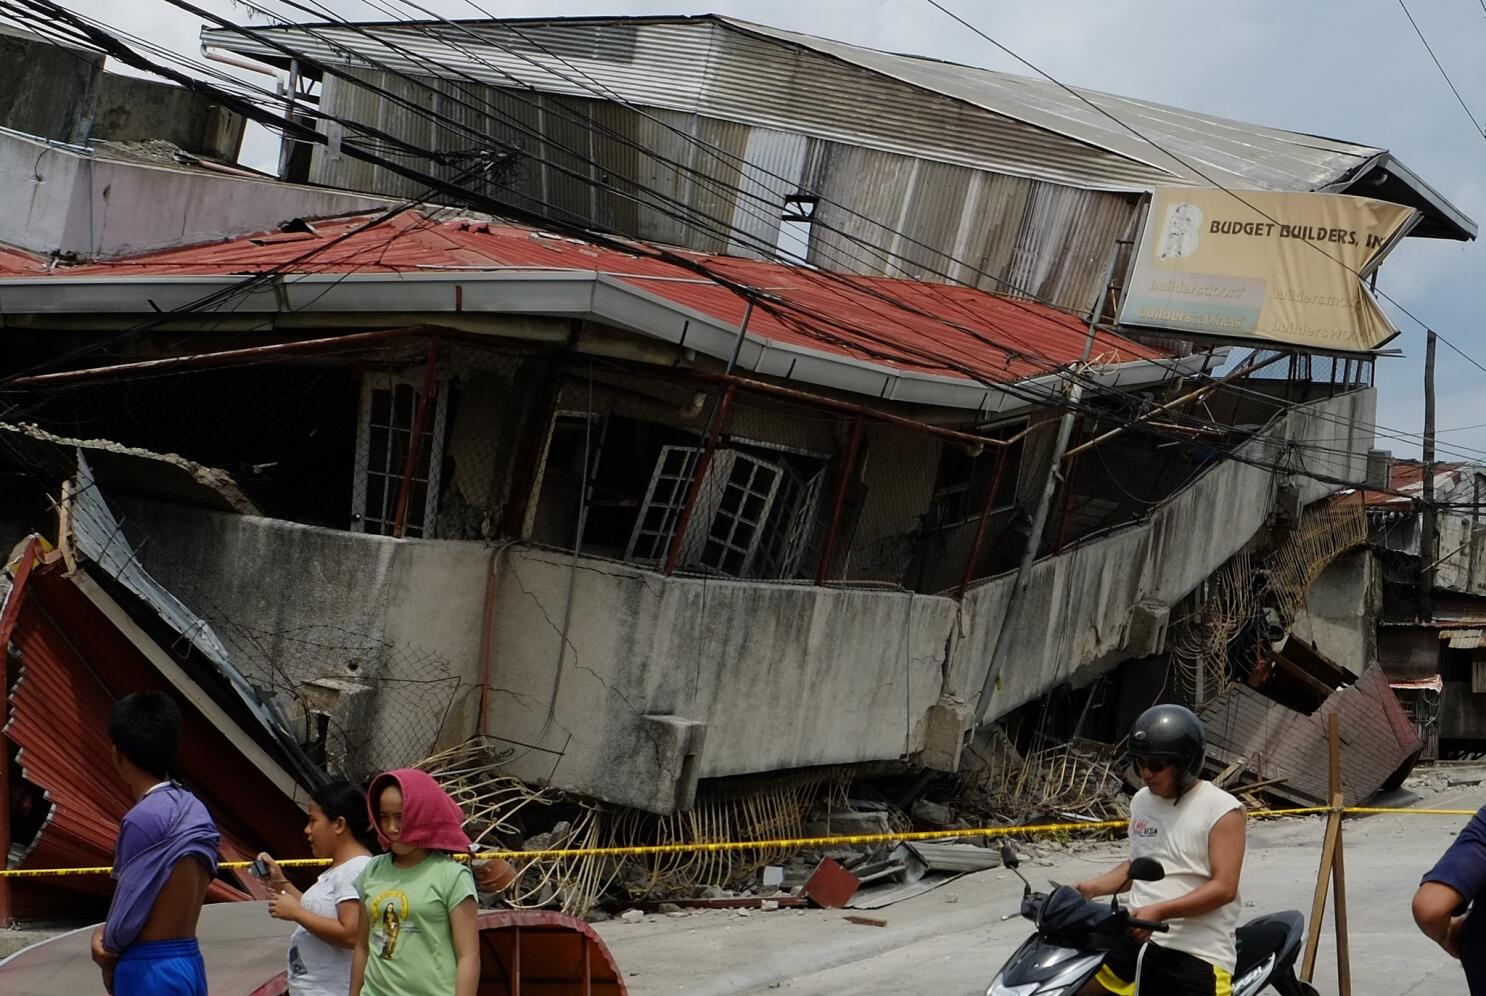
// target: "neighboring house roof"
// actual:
[[740, 71], [942, 345], [1407, 477]]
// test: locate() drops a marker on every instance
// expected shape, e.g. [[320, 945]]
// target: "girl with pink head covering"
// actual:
[[418, 933]]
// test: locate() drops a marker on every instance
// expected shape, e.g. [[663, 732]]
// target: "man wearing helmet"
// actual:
[[1196, 831]]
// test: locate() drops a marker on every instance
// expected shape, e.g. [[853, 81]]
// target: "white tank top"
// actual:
[[1176, 834]]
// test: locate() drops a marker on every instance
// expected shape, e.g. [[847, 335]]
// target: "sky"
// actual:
[[1346, 69]]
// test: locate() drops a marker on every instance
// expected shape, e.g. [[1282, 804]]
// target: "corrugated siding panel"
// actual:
[[775, 164], [935, 212], [704, 67], [74, 664], [874, 186]]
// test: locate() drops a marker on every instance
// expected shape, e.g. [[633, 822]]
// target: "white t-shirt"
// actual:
[[315, 967], [1176, 834]]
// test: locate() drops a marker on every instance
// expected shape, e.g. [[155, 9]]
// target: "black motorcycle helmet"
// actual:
[[1172, 733]]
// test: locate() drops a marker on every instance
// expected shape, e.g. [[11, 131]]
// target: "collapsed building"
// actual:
[[642, 514]]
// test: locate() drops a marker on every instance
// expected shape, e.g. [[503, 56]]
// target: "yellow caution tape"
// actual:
[[783, 844]]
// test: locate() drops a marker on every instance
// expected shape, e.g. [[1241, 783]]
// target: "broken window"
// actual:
[[794, 525], [753, 517], [795, 224], [576, 441], [965, 479], [665, 500], [390, 407]]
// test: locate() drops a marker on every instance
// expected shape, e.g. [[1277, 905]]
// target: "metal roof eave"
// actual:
[[1464, 224], [568, 294]]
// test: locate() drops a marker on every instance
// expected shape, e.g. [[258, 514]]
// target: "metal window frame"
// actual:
[[381, 381], [714, 512]]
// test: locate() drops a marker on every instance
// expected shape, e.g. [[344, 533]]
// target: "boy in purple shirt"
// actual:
[[164, 859]]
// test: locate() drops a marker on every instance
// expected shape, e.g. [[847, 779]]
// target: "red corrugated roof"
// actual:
[[18, 262], [1001, 340], [1408, 476], [73, 664]]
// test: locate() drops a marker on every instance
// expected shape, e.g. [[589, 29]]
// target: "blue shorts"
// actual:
[[161, 968]]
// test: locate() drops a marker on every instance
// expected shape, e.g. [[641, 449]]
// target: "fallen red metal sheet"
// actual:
[[831, 886], [73, 664], [539, 953]]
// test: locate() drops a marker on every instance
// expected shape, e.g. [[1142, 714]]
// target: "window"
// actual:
[[389, 409], [795, 225], [964, 481], [727, 525], [660, 513], [575, 440], [790, 533]]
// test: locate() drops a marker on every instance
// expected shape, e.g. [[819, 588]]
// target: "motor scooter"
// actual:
[[1074, 934]]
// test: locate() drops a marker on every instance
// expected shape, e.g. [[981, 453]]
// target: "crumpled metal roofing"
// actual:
[[73, 664], [991, 339]]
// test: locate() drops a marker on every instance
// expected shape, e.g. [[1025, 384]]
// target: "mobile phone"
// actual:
[[259, 868]]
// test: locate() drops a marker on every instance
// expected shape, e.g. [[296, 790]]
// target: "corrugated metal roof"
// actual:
[[1229, 151], [739, 70], [16, 262], [1407, 476], [73, 664], [993, 339], [1378, 739]]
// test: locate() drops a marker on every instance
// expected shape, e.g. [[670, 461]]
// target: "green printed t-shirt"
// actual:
[[410, 946]]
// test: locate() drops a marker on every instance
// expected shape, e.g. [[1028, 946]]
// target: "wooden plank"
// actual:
[[1318, 904], [1339, 907], [1338, 873]]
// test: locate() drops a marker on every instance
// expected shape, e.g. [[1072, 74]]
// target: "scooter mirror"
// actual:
[[1146, 870], [1009, 858]]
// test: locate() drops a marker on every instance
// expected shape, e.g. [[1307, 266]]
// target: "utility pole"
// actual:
[[1014, 599], [1428, 551]]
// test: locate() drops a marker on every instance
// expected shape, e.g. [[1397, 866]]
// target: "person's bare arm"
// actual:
[[1107, 884], [464, 925], [1225, 848], [104, 958], [358, 958], [1434, 911]]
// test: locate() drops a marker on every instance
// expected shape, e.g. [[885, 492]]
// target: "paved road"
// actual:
[[951, 941]]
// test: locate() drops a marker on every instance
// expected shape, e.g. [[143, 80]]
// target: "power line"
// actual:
[[1451, 83], [1026, 396]]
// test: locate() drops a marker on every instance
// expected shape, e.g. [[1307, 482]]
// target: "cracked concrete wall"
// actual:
[[783, 676], [1341, 611], [293, 603], [1079, 603]]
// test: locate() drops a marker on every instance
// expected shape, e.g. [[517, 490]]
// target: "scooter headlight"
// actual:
[[998, 989]]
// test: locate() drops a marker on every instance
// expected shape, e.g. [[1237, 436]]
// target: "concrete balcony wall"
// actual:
[[1079, 603], [782, 676]]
